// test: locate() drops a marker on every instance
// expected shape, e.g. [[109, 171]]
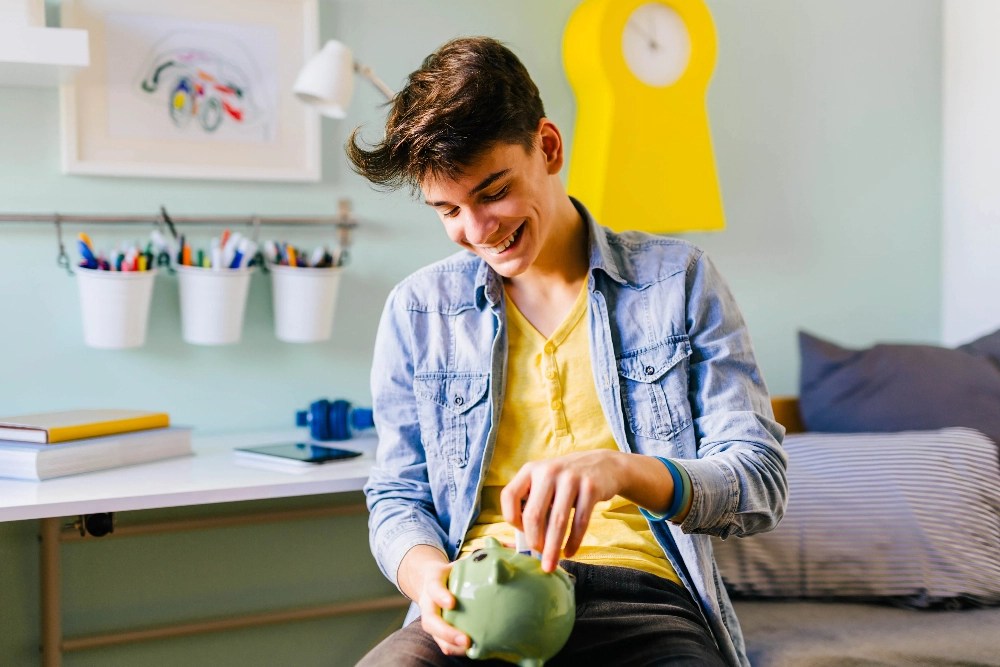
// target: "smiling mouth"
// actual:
[[501, 247]]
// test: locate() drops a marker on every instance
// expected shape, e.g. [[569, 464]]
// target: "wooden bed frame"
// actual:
[[786, 413]]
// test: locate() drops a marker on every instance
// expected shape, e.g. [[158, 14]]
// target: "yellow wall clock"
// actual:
[[642, 149]]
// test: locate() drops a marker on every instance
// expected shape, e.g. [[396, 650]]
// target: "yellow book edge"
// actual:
[[111, 427]]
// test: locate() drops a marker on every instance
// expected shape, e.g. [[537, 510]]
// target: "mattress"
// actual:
[[829, 634]]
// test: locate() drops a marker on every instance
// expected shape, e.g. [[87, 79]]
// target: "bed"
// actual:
[[792, 616], [837, 634]]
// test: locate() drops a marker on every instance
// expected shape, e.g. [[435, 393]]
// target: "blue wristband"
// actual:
[[679, 493]]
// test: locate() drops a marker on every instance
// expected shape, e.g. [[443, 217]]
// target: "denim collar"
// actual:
[[489, 284]]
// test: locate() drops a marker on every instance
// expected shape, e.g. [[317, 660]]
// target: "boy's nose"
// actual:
[[481, 229]]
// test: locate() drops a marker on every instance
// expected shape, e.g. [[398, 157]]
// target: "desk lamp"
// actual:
[[327, 82]]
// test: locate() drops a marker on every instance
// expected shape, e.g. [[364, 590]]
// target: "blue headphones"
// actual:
[[334, 420]]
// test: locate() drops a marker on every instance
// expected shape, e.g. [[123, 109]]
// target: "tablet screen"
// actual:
[[303, 452]]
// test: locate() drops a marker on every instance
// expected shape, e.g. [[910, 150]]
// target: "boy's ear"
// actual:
[[551, 144]]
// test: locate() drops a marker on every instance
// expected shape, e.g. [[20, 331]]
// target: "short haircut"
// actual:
[[469, 95]]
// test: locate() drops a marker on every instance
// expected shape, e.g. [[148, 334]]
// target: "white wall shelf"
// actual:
[[41, 57]]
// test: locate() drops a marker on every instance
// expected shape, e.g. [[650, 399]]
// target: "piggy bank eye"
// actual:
[[479, 555]]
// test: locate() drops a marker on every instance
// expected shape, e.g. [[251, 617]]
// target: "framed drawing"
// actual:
[[192, 89]]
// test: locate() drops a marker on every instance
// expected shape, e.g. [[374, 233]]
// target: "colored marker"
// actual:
[[87, 254], [131, 260], [249, 252], [316, 258], [229, 247], [86, 239], [271, 252], [237, 257]]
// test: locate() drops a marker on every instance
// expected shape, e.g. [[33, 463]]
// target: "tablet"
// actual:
[[297, 453]]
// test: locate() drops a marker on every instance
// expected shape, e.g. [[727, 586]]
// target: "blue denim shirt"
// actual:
[[675, 374]]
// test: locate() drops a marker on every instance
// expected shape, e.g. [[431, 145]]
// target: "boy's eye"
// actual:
[[451, 212], [499, 194]]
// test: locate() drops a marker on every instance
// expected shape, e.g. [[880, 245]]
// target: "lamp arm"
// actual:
[[368, 73]]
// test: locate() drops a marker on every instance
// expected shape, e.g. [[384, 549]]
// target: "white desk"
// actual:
[[213, 475]]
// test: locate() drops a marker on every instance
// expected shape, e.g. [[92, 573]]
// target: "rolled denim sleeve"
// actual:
[[738, 479], [398, 492]]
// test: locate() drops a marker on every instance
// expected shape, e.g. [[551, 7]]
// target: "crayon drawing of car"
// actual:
[[199, 87]]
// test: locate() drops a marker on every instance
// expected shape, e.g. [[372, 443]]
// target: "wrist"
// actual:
[[647, 483], [680, 495], [419, 563]]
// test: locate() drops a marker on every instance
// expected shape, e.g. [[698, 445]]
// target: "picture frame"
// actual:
[[192, 89]]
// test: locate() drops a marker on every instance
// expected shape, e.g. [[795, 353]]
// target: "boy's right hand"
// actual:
[[423, 577]]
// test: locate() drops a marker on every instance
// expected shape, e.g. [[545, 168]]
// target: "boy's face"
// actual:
[[500, 205]]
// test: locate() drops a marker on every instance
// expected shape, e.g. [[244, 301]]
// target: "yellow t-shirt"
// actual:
[[551, 408]]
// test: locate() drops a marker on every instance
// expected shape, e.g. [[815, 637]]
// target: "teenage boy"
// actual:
[[597, 391]]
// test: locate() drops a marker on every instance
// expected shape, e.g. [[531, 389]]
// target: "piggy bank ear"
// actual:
[[502, 571]]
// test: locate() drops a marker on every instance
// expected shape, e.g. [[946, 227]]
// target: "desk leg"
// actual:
[[50, 590]]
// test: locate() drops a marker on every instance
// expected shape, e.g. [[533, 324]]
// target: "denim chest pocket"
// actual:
[[654, 382], [448, 403]]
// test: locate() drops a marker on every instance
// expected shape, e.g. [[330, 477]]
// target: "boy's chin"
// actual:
[[506, 269]]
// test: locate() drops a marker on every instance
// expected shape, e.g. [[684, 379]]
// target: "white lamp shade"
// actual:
[[327, 80]]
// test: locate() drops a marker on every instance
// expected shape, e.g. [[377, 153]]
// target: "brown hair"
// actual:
[[467, 96]]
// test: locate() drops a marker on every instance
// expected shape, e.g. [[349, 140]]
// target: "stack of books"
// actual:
[[54, 444]]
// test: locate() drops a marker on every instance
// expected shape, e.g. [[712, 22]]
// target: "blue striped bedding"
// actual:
[[910, 518]]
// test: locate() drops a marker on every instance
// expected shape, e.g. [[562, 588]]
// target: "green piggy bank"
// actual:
[[509, 607]]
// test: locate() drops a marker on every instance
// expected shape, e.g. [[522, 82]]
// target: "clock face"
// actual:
[[656, 44]]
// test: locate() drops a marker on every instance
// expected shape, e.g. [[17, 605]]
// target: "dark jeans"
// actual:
[[623, 617]]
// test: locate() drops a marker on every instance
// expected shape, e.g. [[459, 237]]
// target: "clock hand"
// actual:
[[650, 38]]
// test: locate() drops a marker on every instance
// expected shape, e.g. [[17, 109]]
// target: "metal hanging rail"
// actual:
[[49, 218], [344, 222]]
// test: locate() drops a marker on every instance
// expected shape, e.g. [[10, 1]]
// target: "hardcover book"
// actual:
[[50, 427], [22, 460]]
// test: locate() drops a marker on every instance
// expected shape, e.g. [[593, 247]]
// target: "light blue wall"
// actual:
[[826, 120], [827, 126], [827, 134]]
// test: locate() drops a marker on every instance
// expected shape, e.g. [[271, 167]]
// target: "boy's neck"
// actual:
[[565, 258], [545, 293]]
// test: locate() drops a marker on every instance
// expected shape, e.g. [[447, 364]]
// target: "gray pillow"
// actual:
[[910, 518], [897, 387]]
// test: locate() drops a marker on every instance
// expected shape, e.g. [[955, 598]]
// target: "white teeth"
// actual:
[[503, 245]]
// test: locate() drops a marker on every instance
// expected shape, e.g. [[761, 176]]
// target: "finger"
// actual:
[[535, 515], [435, 590], [559, 514], [441, 597], [450, 640], [450, 649], [585, 501], [513, 495]]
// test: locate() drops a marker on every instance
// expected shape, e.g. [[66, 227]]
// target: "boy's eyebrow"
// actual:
[[483, 184]]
